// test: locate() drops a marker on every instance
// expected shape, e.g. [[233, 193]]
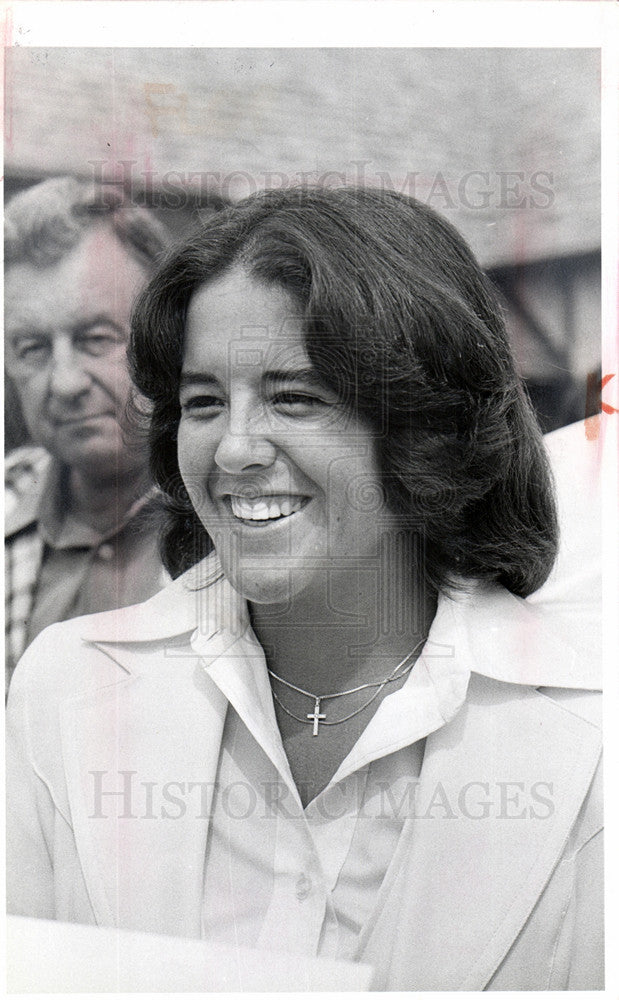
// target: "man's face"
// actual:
[[66, 333]]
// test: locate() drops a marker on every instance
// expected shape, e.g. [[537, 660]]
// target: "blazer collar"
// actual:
[[515, 641], [500, 790], [200, 600], [495, 633]]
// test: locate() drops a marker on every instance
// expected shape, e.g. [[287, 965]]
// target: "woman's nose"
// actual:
[[68, 377], [245, 444]]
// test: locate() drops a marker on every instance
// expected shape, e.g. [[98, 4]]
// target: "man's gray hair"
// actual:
[[45, 222]]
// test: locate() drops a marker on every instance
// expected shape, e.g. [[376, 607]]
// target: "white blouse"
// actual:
[[307, 881]]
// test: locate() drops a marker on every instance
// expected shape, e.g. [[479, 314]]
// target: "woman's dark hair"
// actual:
[[402, 323]]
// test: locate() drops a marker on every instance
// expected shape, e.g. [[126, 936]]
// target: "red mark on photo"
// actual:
[[594, 387]]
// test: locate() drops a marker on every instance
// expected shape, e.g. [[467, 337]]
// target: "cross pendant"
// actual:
[[316, 716]]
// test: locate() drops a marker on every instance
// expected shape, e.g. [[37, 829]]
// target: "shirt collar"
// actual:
[[60, 529], [25, 483], [432, 694], [490, 631], [516, 641], [480, 629]]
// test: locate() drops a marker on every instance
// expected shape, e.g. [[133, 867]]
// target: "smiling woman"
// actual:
[[265, 450], [346, 665]]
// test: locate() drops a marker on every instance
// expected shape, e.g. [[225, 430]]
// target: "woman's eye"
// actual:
[[201, 404], [298, 402]]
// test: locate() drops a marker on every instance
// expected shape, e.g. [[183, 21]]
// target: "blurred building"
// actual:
[[504, 142]]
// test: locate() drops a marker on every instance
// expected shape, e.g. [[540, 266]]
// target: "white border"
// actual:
[[610, 513], [402, 23], [332, 23]]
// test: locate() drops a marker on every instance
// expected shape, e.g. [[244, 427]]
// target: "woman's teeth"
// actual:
[[265, 508]]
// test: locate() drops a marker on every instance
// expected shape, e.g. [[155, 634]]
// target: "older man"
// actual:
[[80, 526]]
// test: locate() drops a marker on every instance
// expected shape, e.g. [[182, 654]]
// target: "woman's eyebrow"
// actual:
[[307, 375], [197, 378]]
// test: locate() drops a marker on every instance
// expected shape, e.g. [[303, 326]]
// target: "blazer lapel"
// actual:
[[141, 759], [500, 789], [141, 754]]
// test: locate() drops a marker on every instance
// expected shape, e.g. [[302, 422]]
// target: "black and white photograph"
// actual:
[[310, 419]]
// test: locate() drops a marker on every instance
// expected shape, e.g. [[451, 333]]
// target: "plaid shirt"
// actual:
[[25, 476], [31, 482]]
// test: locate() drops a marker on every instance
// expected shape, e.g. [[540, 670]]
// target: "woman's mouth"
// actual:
[[266, 508]]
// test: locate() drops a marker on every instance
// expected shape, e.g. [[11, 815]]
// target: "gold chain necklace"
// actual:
[[317, 717]]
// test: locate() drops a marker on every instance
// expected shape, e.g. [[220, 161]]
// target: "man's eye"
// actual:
[[31, 350], [97, 343]]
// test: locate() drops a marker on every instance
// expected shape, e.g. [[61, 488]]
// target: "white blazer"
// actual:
[[497, 902]]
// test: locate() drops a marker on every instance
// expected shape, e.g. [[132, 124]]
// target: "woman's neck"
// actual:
[[351, 627]]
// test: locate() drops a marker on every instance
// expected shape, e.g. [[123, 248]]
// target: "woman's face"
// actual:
[[283, 478]]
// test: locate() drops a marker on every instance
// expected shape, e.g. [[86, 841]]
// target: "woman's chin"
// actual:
[[264, 587]]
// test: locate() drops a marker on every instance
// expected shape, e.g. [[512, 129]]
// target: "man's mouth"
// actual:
[[266, 508]]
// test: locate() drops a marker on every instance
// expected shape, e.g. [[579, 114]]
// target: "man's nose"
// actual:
[[245, 443], [68, 377]]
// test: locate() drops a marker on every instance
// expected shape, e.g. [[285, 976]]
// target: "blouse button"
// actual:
[[106, 552], [303, 887]]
